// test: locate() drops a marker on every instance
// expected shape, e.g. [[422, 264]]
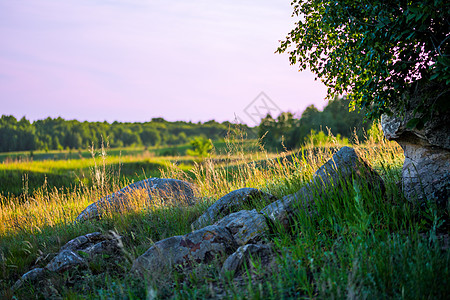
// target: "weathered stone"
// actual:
[[200, 246], [235, 262], [231, 202], [246, 226], [165, 189], [281, 210], [77, 252], [31, 277], [426, 169], [345, 166], [65, 260], [83, 241]]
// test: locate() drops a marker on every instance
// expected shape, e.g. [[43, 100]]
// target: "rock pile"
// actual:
[[231, 241], [78, 252]]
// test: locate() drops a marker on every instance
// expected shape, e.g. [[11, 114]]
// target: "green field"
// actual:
[[20, 173], [360, 244]]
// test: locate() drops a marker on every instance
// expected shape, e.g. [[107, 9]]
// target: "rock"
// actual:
[[246, 226], [235, 262], [426, 169], [77, 252], [65, 260], [281, 210], [200, 246], [345, 166], [178, 191], [83, 241], [31, 277], [231, 202], [94, 243]]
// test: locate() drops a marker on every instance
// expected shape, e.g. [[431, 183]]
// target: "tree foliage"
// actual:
[[379, 53], [289, 132], [57, 134], [200, 147]]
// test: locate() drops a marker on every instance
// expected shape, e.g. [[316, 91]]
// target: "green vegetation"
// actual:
[[59, 134], [288, 132], [359, 244], [379, 53], [67, 169], [26, 171], [200, 147]]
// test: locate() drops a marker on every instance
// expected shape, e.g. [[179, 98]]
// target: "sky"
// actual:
[[134, 60]]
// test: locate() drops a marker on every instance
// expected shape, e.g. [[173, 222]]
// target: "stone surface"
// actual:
[[236, 261], [281, 211], [65, 260], [246, 226], [345, 166], [200, 246], [231, 202], [31, 277], [166, 189], [426, 169], [77, 252]]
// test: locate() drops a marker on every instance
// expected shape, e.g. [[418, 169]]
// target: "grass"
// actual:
[[22, 174], [360, 244]]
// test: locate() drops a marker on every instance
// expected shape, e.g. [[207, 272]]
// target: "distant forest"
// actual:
[[59, 134]]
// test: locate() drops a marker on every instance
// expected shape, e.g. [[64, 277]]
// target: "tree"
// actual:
[[150, 136], [379, 53], [200, 147], [391, 58]]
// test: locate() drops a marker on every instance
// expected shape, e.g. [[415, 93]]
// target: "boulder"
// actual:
[[64, 261], [231, 202], [235, 262], [246, 226], [165, 189], [345, 166], [426, 169], [31, 277], [200, 246], [77, 252], [281, 211]]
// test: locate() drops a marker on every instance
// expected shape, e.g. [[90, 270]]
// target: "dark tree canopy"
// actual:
[[379, 53]]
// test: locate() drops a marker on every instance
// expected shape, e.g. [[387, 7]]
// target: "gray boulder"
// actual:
[[246, 226], [31, 276], [345, 166], [64, 261], [231, 202], [426, 169], [281, 211], [200, 246], [77, 252], [165, 189], [236, 261]]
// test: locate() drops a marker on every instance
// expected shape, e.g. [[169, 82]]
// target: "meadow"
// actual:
[[360, 244], [24, 172]]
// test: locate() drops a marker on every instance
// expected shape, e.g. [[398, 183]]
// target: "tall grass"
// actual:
[[359, 244]]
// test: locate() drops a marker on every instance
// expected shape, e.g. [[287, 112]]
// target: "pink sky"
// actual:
[[130, 60]]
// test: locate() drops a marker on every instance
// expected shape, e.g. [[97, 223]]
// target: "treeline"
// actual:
[[289, 132], [282, 131], [59, 134]]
